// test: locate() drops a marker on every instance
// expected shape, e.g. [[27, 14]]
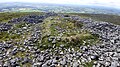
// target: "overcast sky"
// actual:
[[108, 3]]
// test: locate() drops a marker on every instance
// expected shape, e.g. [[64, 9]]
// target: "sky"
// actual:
[[106, 3]]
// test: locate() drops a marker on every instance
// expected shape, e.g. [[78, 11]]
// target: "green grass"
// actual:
[[88, 64], [21, 54], [100, 17], [71, 36], [20, 25], [7, 36], [4, 17]]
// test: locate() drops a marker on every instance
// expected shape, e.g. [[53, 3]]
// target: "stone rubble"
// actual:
[[105, 54]]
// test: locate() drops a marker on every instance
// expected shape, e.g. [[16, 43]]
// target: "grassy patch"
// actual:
[[20, 25], [81, 39], [4, 17], [88, 64], [20, 54], [7, 36], [53, 27], [100, 17]]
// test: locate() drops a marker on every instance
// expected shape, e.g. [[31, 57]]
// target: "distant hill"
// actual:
[[58, 8]]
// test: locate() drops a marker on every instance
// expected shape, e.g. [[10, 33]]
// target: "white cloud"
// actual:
[[108, 3]]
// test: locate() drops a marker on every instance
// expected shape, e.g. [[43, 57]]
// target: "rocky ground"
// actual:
[[27, 42]]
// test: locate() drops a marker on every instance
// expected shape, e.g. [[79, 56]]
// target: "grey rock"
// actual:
[[54, 41], [118, 50], [38, 64], [94, 57], [114, 64], [107, 64], [75, 64], [45, 65], [63, 62], [6, 64], [61, 53]]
